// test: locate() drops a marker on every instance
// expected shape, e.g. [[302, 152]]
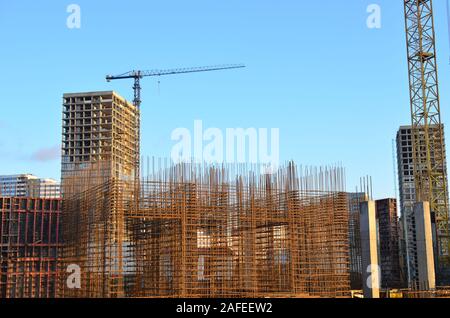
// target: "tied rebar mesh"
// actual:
[[208, 231]]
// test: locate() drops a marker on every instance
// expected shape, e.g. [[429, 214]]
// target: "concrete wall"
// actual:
[[424, 241], [369, 250]]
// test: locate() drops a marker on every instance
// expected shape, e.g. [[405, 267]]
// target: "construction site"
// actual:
[[29, 246], [198, 230]]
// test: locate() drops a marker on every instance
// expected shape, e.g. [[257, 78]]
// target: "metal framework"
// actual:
[[198, 232], [427, 137], [29, 245], [388, 228]]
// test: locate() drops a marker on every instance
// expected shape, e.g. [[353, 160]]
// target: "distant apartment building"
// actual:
[[44, 188], [28, 185], [29, 236], [389, 245], [407, 196], [408, 200], [99, 130]]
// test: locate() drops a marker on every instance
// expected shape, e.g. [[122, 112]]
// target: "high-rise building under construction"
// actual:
[[99, 128], [407, 187]]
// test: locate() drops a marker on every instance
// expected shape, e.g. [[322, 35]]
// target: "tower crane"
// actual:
[[430, 175], [137, 75]]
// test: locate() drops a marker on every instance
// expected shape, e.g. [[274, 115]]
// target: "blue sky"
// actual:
[[336, 89]]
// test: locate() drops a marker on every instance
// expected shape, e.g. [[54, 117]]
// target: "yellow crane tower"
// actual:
[[428, 147]]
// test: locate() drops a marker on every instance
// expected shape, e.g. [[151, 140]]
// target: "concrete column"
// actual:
[[424, 241], [369, 250]]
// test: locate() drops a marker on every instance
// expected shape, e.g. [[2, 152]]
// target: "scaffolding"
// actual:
[[197, 232]]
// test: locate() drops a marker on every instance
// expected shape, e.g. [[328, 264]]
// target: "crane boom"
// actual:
[[137, 75], [141, 74]]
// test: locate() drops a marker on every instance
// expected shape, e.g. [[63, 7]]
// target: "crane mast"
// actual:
[[428, 147]]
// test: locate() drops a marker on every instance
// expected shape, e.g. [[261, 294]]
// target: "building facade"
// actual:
[[28, 185], [407, 194], [100, 131], [408, 199], [44, 188]]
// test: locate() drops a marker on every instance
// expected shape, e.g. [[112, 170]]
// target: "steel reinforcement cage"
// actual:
[[195, 232], [29, 246]]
